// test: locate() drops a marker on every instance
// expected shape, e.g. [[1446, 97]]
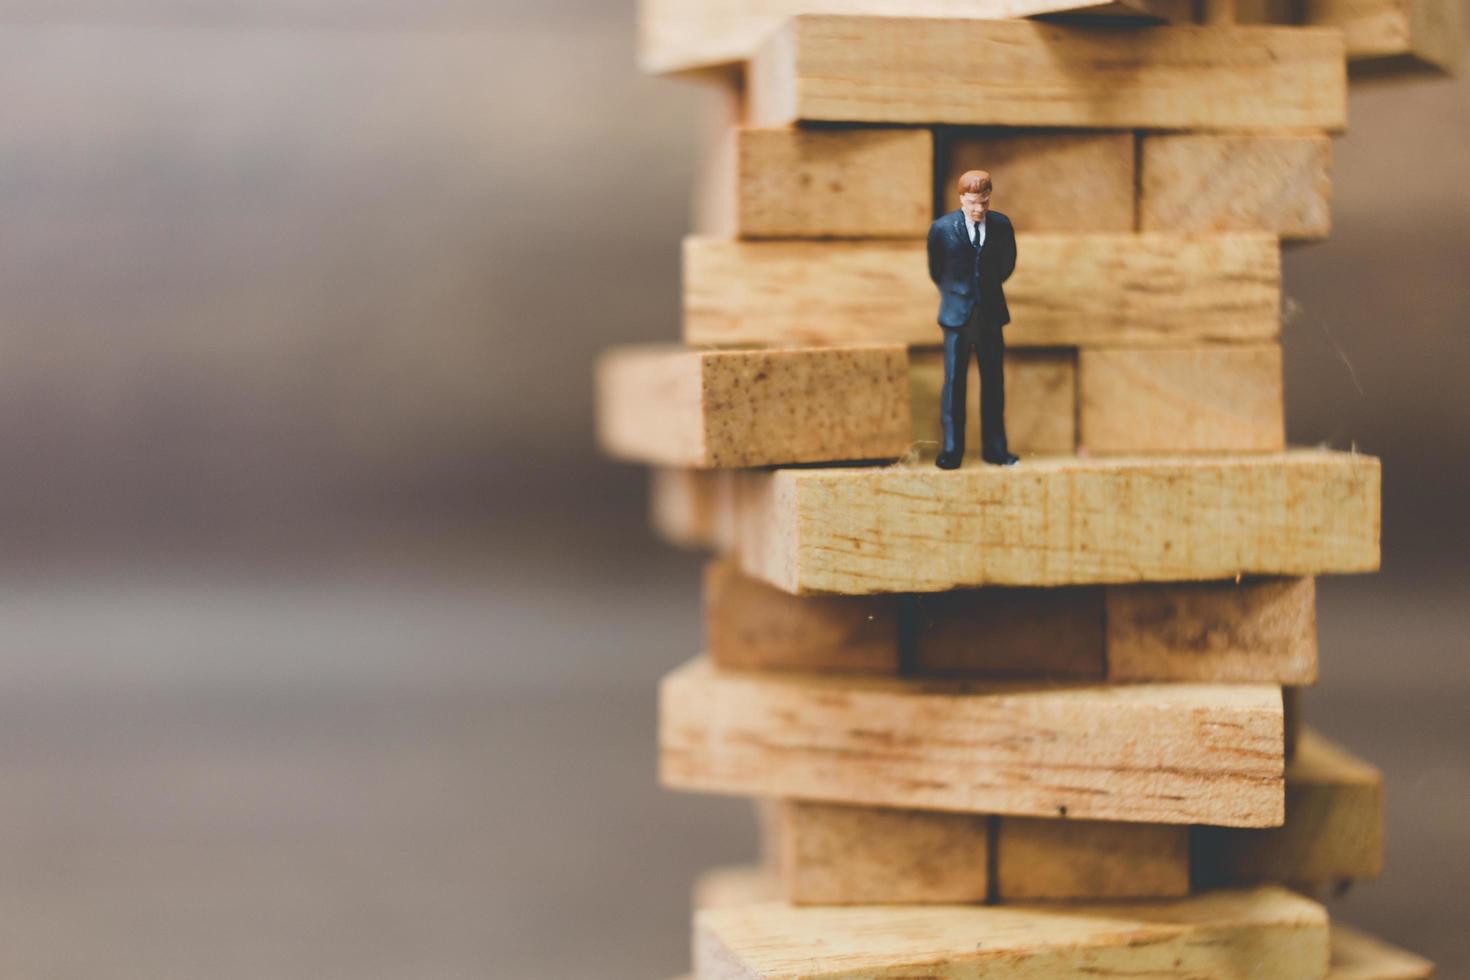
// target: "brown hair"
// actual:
[[975, 182]]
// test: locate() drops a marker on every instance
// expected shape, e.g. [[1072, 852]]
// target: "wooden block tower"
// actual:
[[1035, 720]]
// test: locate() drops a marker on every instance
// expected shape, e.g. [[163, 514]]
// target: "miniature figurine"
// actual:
[[972, 251]]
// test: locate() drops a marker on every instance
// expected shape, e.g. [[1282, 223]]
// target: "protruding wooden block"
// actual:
[[1185, 400], [753, 408], [1025, 73], [1229, 935], [1216, 182], [1333, 829], [1047, 522], [1176, 753], [1359, 956], [692, 508], [854, 855], [824, 183], [1069, 290], [1262, 629], [1011, 632], [1089, 859], [751, 625], [1388, 34], [1062, 181], [1041, 400]]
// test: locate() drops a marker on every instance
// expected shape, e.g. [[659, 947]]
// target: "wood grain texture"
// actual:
[[824, 183], [1062, 181], [1155, 753], [1027, 73], [751, 625], [1011, 633], [1069, 290], [1089, 859], [1261, 934], [692, 508], [1333, 829], [1068, 521], [1359, 956], [680, 35], [1216, 182], [1184, 400], [854, 855], [706, 409], [1041, 400], [1258, 630]]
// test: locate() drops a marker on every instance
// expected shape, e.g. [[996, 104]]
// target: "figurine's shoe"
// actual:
[[949, 460], [1005, 458]]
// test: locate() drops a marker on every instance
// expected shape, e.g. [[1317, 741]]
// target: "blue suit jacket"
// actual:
[[953, 267]]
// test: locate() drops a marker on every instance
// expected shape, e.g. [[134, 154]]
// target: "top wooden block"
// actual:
[[1058, 521], [684, 35], [1027, 73]]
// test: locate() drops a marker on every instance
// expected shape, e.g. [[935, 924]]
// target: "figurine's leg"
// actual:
[[992, 353], [952, 396]]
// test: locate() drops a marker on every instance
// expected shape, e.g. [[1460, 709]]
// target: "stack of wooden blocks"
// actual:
[[1031, 721]]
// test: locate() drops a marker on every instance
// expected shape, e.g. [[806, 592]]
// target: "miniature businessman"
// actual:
[[972, 251]]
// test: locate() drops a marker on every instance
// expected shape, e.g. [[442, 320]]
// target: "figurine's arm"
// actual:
[[1009, 265], [936, 253]]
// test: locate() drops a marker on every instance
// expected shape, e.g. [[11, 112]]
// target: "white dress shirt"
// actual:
[[976, 228]]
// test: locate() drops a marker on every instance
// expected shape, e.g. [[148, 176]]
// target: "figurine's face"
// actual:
[[975, 206]]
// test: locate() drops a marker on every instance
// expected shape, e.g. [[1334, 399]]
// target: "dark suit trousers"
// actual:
[[988, 344]]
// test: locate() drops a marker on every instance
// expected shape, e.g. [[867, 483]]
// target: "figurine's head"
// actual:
[[975, 194]]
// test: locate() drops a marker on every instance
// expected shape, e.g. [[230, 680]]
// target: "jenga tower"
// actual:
[[1026, 721]]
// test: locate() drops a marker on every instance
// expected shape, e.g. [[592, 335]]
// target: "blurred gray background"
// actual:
[[329, 642]]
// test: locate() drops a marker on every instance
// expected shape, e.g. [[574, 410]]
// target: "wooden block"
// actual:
[[1177, 753], [692, 508], [1395, 33], [1359, 956], [855, 855], [824, 183], [751, 625], [1041, 400], [753, 408], [1056, 859], [1026, 73], [1232, 935], [1046, 522], [1069, 290], [1063, 181], [1216, 182], [1011, 632], [721, 114], [1333, 829], [735, 886], [1293, 719], [1259, 630], [680, 35], [1215, 399]]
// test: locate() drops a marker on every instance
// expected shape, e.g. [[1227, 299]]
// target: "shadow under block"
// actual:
[[1359, 956], [1041, 400], [1026, 73], [1049, 181], [818, 183], [1262, 934], [1184, 400], [852, 855], [1217, 182], [1084, 859], [1333, 829], [682, 35], [1056, 633], [1179, 753], [707, 409], [1068, 290], [1064, 521]]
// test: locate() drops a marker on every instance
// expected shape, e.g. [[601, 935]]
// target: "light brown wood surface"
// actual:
[[736, 885], [1407, 33], [1011, 633], [855, 855], [1260, 934], [1258, 629], [692, 508], [787, 182], [1064, 181], [676, 407], [1027, 73], [1216, 182], [1063, 521], [1359, 956], [680, 35], [1041, 400], [1333, 829], [1068, 290], [1182, 400], [1089, 859], [1148, 753]]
